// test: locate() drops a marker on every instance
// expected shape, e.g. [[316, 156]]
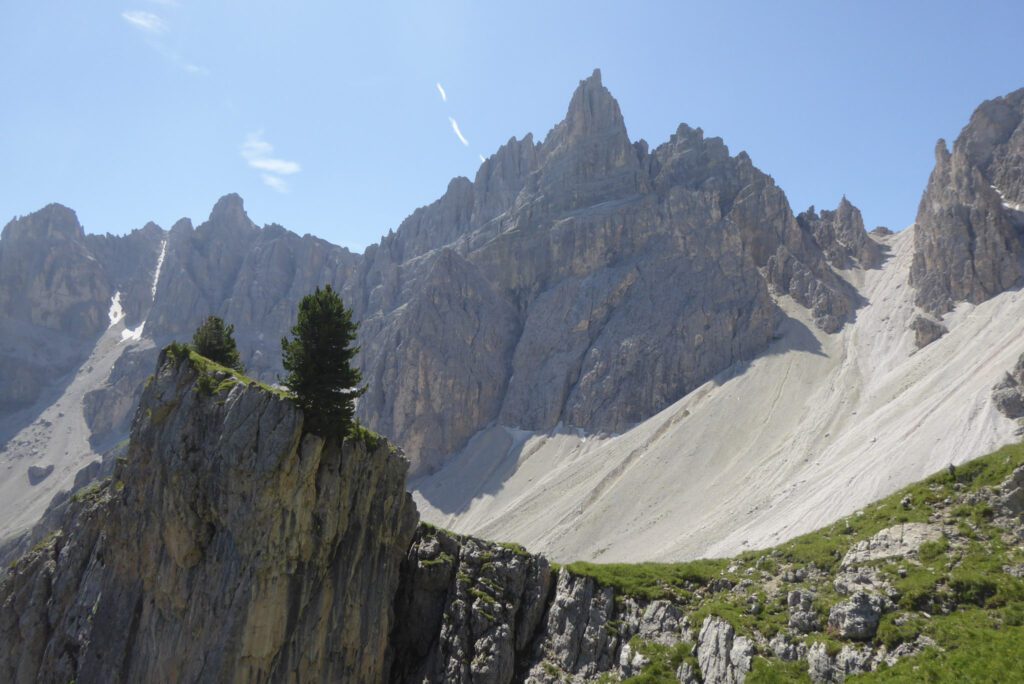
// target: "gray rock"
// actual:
[[466, 610], [686, 674], [849, 581], [841, 236], [899, 540], [1011, 496], [38, 473], [576, 636], [785, 649], [967, 244], [858, 617], [824, 668], [1008, 393], [724, 658], [802, 616], [926, 330]]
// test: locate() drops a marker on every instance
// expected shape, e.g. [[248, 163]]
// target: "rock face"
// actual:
[[466, 610], [802, 616], [968, 239], [56, 287], [1008, 394], [841, 236], [547, 274], [724, 657], [858, 617], [926, 330], [213, 554]]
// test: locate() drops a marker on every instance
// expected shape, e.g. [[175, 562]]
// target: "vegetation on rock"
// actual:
[[215, 340], [319, 363]]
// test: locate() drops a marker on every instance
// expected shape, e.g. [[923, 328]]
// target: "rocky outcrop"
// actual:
[[899, 540], [968, 236], [230, 545], [724, 657], [803, 618], [466, 610], [1008, 394], [841, 236], [48, 276], [926, 330], [858, 617]]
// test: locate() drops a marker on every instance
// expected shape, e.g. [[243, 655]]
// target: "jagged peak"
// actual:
[[229, 209], [183, 224], [592, 109], [53, 219]]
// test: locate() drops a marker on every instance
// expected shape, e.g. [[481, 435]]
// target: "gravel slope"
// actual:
[[811, 431]]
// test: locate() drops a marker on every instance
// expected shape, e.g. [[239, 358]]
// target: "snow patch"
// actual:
[[133, 334], [159, 266], [1006, 203], [116, 312]]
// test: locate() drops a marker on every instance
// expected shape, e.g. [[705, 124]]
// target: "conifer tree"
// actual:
[[319, 363], [215, 340]]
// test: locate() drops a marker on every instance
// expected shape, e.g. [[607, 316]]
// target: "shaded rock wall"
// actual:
[[968, 240]]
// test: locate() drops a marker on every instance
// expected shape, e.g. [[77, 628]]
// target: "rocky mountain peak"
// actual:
[[841, 236], [230, 210], [182, 225], [968, 242], [52, 222], [592, 109]]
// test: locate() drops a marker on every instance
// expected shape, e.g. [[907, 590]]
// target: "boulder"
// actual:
[[858, 617]]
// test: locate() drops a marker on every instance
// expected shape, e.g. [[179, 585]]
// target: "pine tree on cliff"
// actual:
[[215, 340], [319, 363]]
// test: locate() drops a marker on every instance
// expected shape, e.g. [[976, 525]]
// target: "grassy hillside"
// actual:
[[963, 590]]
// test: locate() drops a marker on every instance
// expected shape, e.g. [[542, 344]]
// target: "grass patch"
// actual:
[[976, 647], [91, 492], [652, 580], [664, 661], [775, 671]]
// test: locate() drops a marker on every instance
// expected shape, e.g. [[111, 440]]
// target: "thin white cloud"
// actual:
[[440, 89], [482, 158], [258, 153], [274, 182], [279, 166], [147, 21], [455, 127]]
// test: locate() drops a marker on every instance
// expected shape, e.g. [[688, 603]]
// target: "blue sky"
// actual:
[[327, 119]]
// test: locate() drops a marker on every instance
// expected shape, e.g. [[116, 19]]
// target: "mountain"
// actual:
[[231, 545], [586, 319], [533, 296], [969, 244]]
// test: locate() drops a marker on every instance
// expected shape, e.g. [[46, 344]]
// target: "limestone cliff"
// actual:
[[970, 223], [228, 546]]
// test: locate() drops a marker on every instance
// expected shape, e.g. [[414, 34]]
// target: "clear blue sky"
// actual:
[[326, 118]]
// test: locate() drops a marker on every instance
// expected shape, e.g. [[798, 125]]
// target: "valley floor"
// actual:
[[811, 431]]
